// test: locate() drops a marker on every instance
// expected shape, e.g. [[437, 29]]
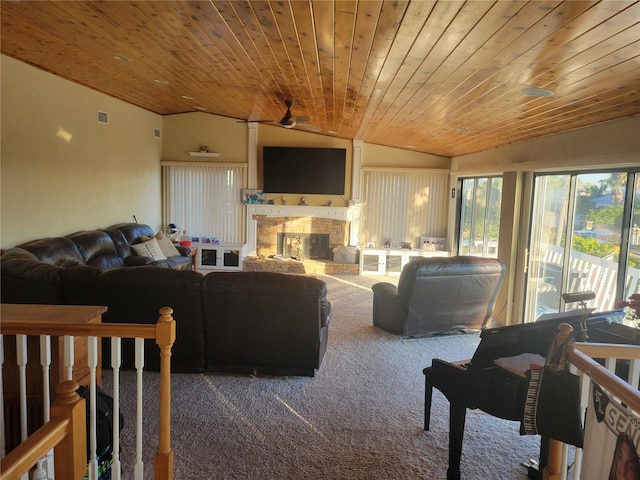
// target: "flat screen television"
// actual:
[[304, 170]]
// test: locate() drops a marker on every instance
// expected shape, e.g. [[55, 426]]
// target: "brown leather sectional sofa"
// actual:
[[248, 322]]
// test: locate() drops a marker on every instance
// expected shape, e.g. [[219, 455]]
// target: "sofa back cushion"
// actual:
[[97, 249], [136, 295], [264, 319], [132, 233], [58, 251]]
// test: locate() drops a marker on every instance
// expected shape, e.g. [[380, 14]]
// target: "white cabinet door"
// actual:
[[373, 262], [224, 256]]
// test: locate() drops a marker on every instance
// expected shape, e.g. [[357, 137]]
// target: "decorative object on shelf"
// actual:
[[283, 200], [433, 243], [270, 201], [252, 196], [329, 203], [215, 241], [406, 245], [386, 242], [303, 201], [184, 240], [204, 152], [173, 232], [371, 244], [195, 239]]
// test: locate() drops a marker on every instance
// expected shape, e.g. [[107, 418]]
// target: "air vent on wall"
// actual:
[[103, 118], [156, 132]]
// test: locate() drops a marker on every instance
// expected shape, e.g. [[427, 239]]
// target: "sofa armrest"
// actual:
[[326, 309], [384, 289], [138, 261], [389, 313]]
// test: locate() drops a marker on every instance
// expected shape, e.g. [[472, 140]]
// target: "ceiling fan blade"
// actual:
[[302, 118], [310, 128]]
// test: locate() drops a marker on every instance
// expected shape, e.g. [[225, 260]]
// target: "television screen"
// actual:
[[304, 170]]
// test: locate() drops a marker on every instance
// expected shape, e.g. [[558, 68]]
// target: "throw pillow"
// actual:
[[150, 248], [166, 245]]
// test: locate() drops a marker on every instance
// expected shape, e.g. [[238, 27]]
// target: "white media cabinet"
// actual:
[[219, 256], [389, 261]]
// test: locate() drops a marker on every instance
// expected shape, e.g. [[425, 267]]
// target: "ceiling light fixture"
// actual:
[[161, 82], [537, 92], [120, 58], [187, 97], [332, 132]]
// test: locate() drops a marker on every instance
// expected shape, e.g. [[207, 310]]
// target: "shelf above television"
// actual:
[[204, 154]]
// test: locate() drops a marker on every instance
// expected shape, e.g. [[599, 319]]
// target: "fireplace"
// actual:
[[304, 246], [319, 234]]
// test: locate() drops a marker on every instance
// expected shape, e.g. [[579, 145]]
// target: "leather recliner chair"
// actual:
[[439, 295]]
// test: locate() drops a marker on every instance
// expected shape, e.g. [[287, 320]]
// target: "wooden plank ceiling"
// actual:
[[443, 77]]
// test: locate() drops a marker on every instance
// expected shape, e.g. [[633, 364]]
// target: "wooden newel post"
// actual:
[[165, 337], [553, 469], [71, 452]]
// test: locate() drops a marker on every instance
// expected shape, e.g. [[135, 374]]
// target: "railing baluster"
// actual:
[[45, 362], [139, 469], [21, 360], [634, 372], [610, 364], [68, 357], [116, 359], [3, 438], [92, 353]]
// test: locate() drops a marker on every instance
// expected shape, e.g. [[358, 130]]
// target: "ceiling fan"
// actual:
[[288, 121]]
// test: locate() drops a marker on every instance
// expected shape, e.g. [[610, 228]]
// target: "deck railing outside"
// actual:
[[595, 274]]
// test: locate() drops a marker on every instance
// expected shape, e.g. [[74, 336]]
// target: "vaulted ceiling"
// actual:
[[443, 77]]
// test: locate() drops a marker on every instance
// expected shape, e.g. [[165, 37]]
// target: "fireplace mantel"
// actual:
[[293, 211], [337, 213]]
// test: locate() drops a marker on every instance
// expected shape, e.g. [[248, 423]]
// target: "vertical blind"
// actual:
[[404, 205], [205, 200]]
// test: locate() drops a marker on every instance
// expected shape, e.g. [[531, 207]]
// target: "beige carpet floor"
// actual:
[[360, 418]]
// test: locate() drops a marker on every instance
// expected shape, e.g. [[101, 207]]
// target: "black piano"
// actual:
[[479, 383]]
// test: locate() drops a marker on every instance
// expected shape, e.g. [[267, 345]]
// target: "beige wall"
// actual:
[[186, 132], [613, 143], [381, 156], [62, 171], [274, 136]]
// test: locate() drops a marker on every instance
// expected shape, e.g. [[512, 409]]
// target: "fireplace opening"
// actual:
[[304, 246]]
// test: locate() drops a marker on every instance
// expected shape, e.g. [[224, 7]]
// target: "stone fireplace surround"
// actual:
[[264, 222], [269, 227]]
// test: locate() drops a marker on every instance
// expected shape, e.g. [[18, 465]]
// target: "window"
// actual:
[[205, 199], [583, 237], [479, 221], [403, 205]]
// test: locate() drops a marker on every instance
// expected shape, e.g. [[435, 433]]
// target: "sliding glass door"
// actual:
[[584, 236]]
